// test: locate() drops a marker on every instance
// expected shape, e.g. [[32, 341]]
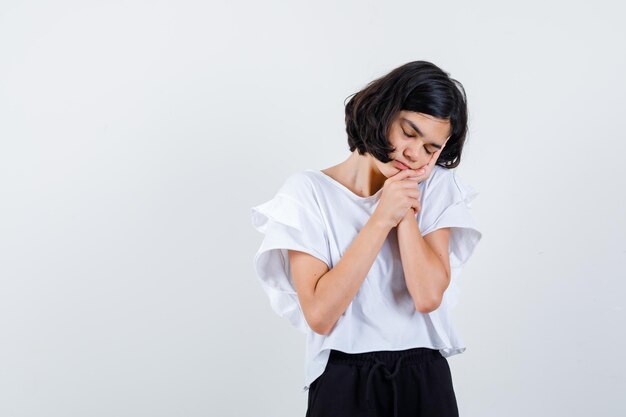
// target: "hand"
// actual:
[[428, 168], [400, 193]]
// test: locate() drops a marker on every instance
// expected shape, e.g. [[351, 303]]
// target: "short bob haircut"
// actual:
[[418, 86]]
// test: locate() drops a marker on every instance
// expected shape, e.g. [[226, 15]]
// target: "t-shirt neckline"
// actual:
[[346, 189]]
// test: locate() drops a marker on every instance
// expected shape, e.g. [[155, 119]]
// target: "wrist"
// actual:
[[380, 223], [409, 215]]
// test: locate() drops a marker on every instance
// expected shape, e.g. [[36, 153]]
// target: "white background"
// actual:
[[135, 137]]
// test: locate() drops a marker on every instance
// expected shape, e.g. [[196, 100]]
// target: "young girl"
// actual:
[[364, 257]]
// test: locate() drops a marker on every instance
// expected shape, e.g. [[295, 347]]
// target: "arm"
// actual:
[[425, 261], [324, 293]]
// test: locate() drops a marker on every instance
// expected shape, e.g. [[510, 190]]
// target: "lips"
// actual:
[[400, 165]]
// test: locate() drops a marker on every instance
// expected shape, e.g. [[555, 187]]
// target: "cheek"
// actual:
[[388, 170], [394, 140]]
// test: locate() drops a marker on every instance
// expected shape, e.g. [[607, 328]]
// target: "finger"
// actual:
[[427, 169], [409, 183], [416, 179], [415, 205], [405, 173], [413, 178], [414, 193]]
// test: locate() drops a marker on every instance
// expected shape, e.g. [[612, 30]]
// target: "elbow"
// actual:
[[318, 327], [321, 329], [430, 306], [317, 317], [432, 303], [315, 324], [321, 326]]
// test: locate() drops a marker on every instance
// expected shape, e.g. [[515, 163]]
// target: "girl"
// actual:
[[364, 256]]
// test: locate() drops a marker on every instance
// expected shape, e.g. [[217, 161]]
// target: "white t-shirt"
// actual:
[[314, 213]]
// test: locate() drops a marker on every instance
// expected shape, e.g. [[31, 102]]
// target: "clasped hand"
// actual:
[[400, 200]]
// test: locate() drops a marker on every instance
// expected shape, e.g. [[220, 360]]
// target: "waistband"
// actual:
[[388, 357]]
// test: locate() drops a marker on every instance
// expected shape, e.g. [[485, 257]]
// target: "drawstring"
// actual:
[[388, 376]]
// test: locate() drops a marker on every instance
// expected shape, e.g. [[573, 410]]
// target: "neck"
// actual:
[[360, 174]]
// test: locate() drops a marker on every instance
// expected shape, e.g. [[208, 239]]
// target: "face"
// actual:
[[415, 137]]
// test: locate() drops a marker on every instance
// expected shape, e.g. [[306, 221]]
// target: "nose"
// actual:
[[412, 154]]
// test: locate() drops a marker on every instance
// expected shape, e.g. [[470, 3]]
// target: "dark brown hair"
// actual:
[[418, 86]]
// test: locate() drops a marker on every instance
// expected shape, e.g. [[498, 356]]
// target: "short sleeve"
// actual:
[[290, 220], [446, 203]]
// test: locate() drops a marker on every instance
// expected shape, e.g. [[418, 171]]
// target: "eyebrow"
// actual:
[[419, 132]]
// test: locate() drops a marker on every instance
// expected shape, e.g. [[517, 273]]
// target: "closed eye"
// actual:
[[413, 136]]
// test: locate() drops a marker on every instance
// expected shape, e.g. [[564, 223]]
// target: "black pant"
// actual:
[[405, 383]]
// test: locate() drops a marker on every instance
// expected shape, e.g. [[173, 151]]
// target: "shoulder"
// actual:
[[440, 174], [447, 182], [298, 185], [440, 177], [302, 187], [294, 205], [302, 178]]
